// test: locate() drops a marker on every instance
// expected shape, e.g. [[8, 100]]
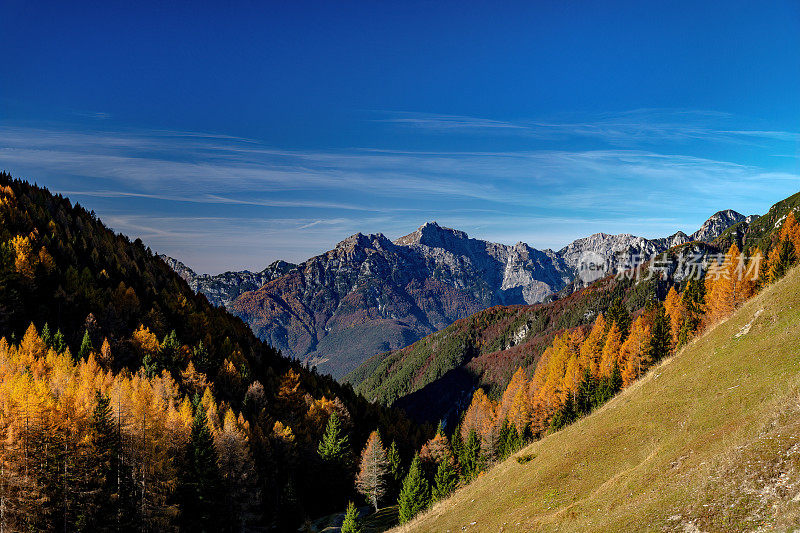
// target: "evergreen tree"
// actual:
[[395, 470], [201, 359], [169, 350], [415, 494], [46, 335], [457, 444], [352, 523], [105, 452], [509, 440], [86, 345], [619, 315], [781, 259], [564, 416], [334, 446], [661, 335], [471, 456], [59, 343], [201, 478], [445, 481]]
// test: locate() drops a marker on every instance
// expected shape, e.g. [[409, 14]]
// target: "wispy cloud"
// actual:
[[251, 203], [636, 126]]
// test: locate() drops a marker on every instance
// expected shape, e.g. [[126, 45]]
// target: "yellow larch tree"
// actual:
[[480, 416], [634, 358], [519, 381], [592, 347], [676, 312], [611, 350]]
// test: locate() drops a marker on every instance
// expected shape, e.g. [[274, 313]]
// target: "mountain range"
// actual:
[[370, 295]]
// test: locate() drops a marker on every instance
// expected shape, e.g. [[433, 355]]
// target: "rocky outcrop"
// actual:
[[223, 289], [718, 223]]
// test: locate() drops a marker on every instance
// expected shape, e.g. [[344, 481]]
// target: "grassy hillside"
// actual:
[[707, 441]]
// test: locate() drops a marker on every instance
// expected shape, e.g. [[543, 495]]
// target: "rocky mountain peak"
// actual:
[[717, 224], [433, 235], [359, 240]]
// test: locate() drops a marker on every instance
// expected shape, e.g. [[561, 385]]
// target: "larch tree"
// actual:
[[371, 478], [611, 350], [519, 382], [721, 286], [572, 378], [480, 417], [437, 450], [676, 312], [592, 347], [634, 356]]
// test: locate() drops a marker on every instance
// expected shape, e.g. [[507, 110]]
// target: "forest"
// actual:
[[131, 403]]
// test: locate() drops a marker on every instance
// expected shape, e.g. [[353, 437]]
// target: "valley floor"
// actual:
[[709, 440]]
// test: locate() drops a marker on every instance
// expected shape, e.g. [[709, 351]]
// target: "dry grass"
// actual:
[[707, 441]]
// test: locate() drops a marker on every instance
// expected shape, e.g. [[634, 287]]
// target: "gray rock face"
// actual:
[[717, 224], [369, 295], [223, 289]]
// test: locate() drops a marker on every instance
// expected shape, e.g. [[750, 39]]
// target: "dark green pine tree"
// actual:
[[445, 480], [104, 477], [86, 345], [46, 336], [352, 522], [395, 471], [661, 338], [201, 508], [59, 343], [471, 456], [510, 440], [169, 350], [201, 359], [457, 445], [619, 314], [334, 446], [415, 494]]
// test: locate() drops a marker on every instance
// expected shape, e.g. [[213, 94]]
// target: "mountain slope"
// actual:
[[60, 266], [707, 441], [369, 294]]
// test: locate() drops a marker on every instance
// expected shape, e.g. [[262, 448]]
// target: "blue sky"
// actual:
[[233, 135]]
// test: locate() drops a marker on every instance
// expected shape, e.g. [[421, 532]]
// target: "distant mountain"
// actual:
[[370, 295], [222, 289], [433, 378]]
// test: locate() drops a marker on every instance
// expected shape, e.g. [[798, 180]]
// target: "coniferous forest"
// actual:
[[130, 403]]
